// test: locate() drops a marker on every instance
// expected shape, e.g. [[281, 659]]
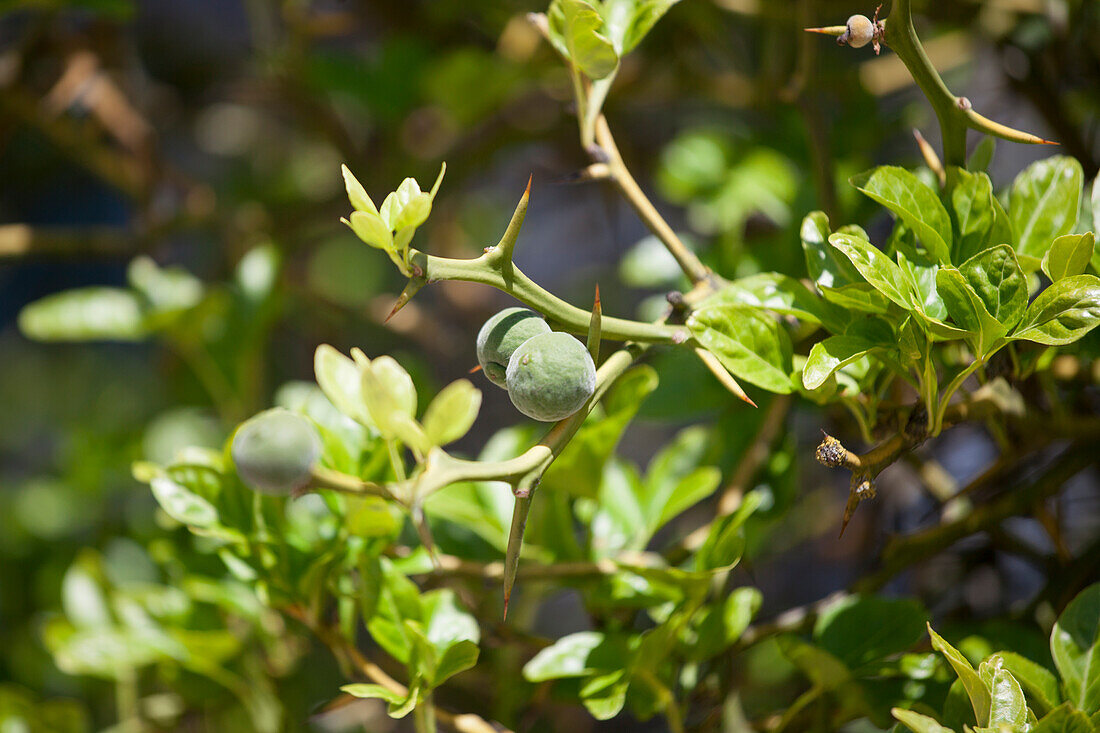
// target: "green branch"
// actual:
[[490, 268], [954, 113]]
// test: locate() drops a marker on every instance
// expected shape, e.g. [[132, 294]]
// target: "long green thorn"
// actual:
[[986, 125], [515, 542], [407, 294], [830, 30], [594, 327], [507, 244], [930, 158], [722, 374]]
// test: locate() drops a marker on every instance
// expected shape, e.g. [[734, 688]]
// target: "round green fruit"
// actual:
[[551, 376], [501, 336], [275, 451]]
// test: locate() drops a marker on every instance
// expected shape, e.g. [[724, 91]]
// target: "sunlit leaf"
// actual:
[[452, 413], [1075, 646], [1062, 313], [576, 31], [1068, 255], [751, 345], [914, 203], [85, 314], [1044, 203]]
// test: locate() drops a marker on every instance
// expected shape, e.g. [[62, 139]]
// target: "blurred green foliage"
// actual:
[[174, 185]]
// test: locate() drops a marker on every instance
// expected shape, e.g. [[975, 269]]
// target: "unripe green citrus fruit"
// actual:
[[501, 336], [275, 451], [551, 376]]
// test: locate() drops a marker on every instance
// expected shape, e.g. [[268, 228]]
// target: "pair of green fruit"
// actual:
[[549, 375]]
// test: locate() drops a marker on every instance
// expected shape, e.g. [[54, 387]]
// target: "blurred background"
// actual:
[[208, 135]]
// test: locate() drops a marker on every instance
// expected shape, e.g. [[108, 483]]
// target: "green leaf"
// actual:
[[675, 480], [976, 690], [575, 28], [1038, 683], [626, 22], [996, 278], [257, 272], [725, 543], [372, 230], [825, 266], [576, 655], [1095, 205], [85, 314], [817, 664], [378, 692], [860, 297], [982, 156], [779, 294], [968, 311], [484, 507], [1062, 313], [914, 203], [1007, 703], [1064, 719], [406, 208], [445, 623], [389, 395], [341, 381], [183, 505], [452, 413], [459, 657], [165, 289], [724, 622], [83, 595], [750, 344], [604, 696], [1068, 255], [357, 195], [876, 268], [920, 272], [831, 354], [578, 469], [1044, 203], [972, 214], [864, 629], [919, 723], [1075, 646]]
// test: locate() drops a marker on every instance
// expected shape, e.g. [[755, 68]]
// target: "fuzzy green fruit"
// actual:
[[551, 376], [275, 451], [501, 336]]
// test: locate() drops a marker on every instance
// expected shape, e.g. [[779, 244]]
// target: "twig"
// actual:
[[620, 174], [904, 551], [865, 468], [343, 649], [775, 416], [493, 571]]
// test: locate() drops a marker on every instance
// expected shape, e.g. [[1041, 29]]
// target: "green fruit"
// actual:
[[275, 451], [501, 336], [551, 376]]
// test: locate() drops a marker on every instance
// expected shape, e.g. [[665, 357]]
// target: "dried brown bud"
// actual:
[[831, 452], [859, 33]]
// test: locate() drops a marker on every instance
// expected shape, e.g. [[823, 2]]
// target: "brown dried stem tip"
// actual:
[[832, 453]]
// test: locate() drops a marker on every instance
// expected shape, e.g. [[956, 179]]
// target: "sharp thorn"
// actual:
[[475, 370]]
